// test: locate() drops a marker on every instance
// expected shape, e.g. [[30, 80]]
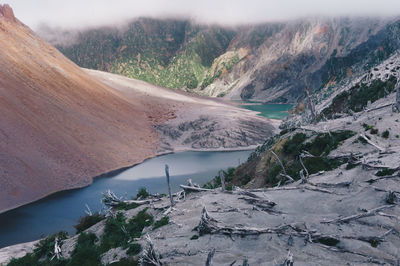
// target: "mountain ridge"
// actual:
[[267, 62]]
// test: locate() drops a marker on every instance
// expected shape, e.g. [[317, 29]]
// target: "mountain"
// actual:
[[60, 125], [269, 62], [170, 53]]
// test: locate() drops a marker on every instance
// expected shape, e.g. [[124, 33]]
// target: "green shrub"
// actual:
[[123, 206], [113, 235], [385, 134], [45, 247], [194, 237], [385, 172], [142, 193], [88, 221], [163, 221], [27, 260], [134, 249], [374, 131], [86, 252], [293, 145]]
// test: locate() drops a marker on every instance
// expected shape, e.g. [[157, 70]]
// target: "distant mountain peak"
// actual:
[[7, 12]]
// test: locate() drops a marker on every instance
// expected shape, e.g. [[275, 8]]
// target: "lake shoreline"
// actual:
[[116, 171]]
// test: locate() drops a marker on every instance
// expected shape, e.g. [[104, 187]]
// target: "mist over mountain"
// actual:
[[268, 62]]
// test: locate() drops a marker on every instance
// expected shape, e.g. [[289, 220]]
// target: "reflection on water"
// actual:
[[62, 210]]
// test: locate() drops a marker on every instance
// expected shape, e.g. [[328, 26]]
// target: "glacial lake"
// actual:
[[272, 111], [61, 211]]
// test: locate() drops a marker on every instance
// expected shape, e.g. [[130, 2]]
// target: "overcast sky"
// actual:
[[83, 13]]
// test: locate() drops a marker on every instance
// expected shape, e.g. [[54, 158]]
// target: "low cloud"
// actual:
[[87, 13]]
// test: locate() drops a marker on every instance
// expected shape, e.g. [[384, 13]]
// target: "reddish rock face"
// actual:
[[7, 12], [59, 127]]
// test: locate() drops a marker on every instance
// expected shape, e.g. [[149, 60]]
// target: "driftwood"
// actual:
[[169, 185], [210, 257], [368, 213], [149, 255]]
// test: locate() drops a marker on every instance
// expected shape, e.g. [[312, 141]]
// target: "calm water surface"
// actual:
[[273, 111], [62, 210]]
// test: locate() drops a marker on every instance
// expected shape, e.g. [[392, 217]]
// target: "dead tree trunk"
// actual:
[[169, 185], [210, 257], [396, 106], [283, 167], [222, 177], [311, 106]]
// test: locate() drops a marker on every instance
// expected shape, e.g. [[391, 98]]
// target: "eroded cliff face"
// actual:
[[278, 61], [269, 62]]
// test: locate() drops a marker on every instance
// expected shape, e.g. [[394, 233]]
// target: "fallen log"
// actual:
[[210, 257], [371, 143], [368, 213], [194, 189]]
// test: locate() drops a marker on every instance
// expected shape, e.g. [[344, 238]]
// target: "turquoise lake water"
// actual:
[[273, 111]]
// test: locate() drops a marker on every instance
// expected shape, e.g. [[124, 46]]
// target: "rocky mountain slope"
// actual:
[[60, 127], [269, 62]]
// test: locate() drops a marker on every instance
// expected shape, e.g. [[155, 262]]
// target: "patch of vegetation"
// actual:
[[385, 172], [134, 249], [142, 193], [42, 253], [385, 134], [374, 131], [350, 166], [118, 232], [123, 206], [368, 127], [262, 148], [319, 146], [357, 98], [88, 221], [163, 221], [216, 181], [194, 237], [86, 251], [294, 145], [362, 140], [328, 241]]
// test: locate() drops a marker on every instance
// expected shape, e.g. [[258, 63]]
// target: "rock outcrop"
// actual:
[[7, 12]]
